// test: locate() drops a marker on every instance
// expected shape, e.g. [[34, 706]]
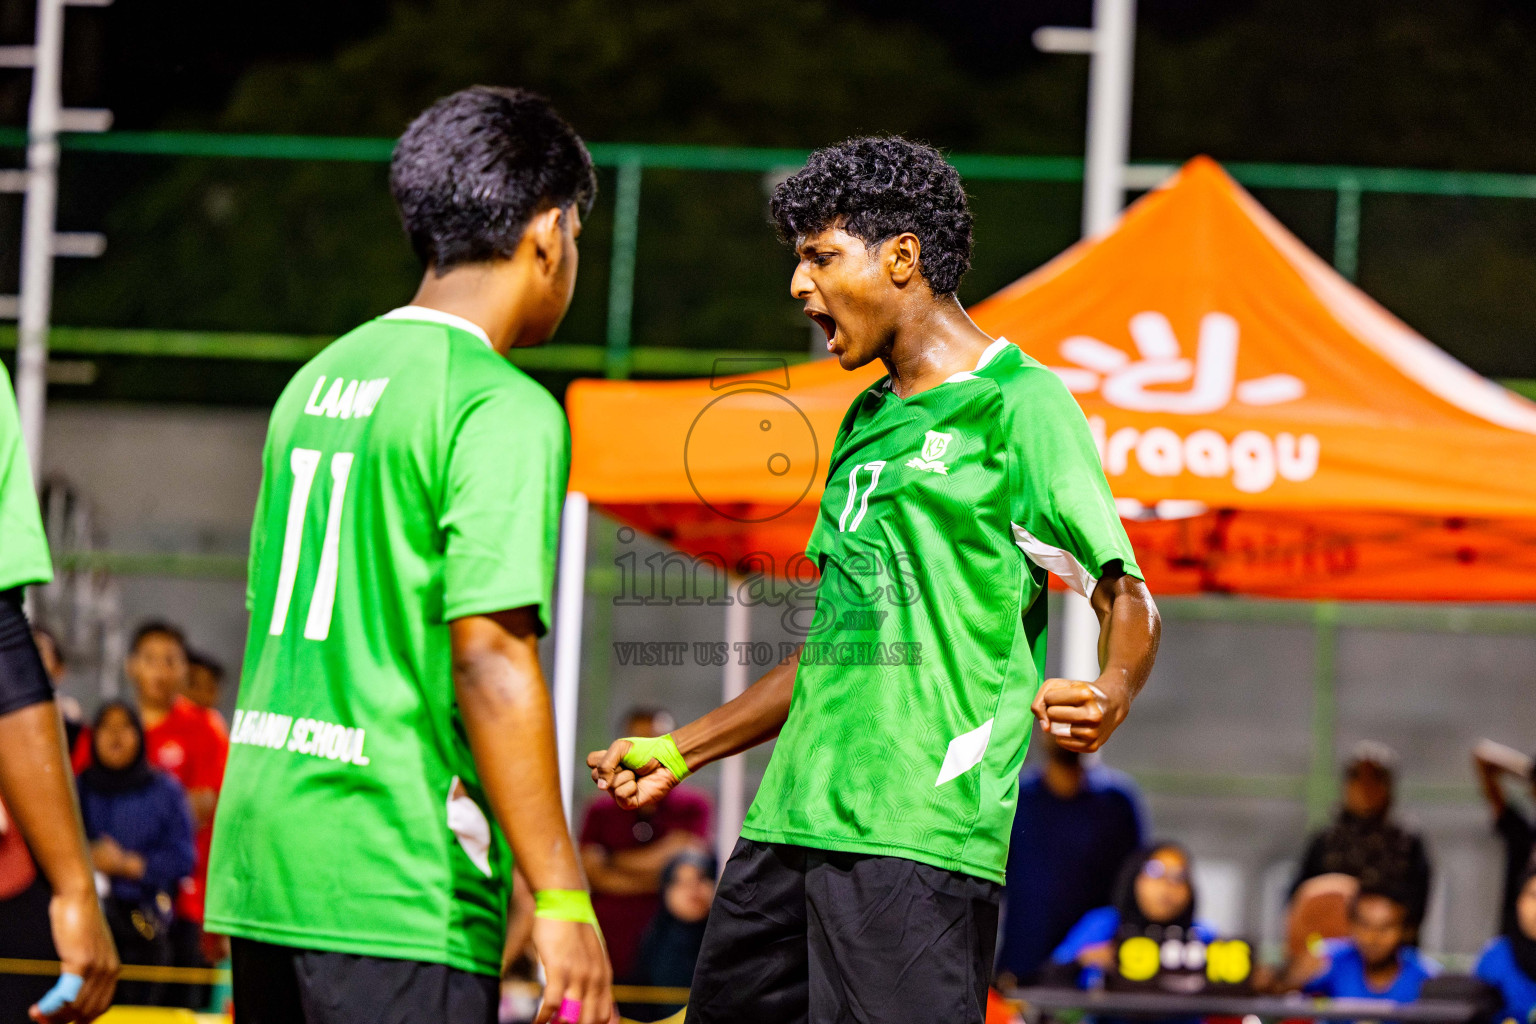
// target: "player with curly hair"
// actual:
[[866, 881]]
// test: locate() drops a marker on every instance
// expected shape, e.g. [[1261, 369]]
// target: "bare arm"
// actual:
[[637, 871], [1129, 632], [507, 716], [1488, 777], [754, 717], [519, 922], [614, 880], [202, 802], [39, 792]]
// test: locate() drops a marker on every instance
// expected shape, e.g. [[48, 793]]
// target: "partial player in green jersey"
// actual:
[[36, 786], [866, 881], [393, 743]]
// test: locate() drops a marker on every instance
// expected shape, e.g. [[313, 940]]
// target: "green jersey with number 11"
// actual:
[[411, 476]]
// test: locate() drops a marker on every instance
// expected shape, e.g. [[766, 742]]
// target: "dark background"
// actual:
[[312, 248]]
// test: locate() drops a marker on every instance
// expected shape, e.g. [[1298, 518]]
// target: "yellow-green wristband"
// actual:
[[643, 750], [564, 905]]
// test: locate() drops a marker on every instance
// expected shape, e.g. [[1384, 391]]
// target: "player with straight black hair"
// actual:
[[865, 884], [393, 743]]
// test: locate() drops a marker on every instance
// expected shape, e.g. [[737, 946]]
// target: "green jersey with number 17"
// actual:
[[411, 476], [942, 515]]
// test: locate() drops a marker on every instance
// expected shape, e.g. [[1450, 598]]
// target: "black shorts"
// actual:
[[801, 936], [23, 682], [283, 985]]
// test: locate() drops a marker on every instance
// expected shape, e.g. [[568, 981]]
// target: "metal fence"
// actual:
[[618, 357]]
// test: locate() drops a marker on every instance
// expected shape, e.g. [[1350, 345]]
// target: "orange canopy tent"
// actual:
[[1267, 427]]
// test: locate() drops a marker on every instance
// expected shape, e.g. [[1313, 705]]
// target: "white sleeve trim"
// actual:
[[1055, 560]]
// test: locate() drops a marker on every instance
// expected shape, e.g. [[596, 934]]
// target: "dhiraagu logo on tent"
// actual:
[[1163, 379]]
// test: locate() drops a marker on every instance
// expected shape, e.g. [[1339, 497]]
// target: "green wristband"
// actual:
[[564, 905], [643, 751]]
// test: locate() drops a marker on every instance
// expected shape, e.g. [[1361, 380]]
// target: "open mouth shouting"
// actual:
[[828, 326]]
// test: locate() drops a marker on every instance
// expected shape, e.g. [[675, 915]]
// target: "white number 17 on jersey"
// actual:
[[305, 461]]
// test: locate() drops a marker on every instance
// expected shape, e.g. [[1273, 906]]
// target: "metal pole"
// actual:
[[733, 770], [1346, 229], [1109, 113], [621, 271], [1109, 127], [570, 598], [37, 229], [1320, 773]]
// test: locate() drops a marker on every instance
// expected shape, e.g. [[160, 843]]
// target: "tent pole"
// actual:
[[733, 770], [1321, 773], [570, 597], [1079, 638]]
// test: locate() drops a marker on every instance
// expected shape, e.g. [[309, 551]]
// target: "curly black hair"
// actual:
[[875, 188], [474, 168]]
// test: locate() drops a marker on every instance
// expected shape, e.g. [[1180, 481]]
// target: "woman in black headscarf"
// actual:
[[1509, 962], [1154, 889], [140, 830], [670, 946]]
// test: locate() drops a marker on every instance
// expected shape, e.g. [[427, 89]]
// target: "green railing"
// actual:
[[617, 358]]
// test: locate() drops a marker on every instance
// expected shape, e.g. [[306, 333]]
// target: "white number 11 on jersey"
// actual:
[[305, 461]]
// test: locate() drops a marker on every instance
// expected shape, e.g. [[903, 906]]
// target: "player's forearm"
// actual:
[[754, 717], [39, 792], [507, 716], [1129, 633]]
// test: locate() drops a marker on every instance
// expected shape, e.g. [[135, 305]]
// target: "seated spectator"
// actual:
[[1496, 762], [1509, 962], [205, 679], [24, 931], [1075, 826], [1377, 961], [1154, 889], [140, 830], [1319, 910], [624, 852], [670, 946], [1366, 842], [192, 744]]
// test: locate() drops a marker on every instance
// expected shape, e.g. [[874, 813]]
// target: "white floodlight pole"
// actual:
[[46, 117], [733, 770], [570, 602], [1109, 114], [1111, 44], [37, 228]]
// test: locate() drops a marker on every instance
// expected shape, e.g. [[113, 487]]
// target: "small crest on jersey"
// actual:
[[935, 444]]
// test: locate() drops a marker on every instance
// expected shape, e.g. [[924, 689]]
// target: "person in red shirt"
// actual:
[[625, 852], [192, 744]]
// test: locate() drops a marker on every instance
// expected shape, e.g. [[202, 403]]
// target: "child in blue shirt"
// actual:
[[1376, 961], [1509, 962]]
